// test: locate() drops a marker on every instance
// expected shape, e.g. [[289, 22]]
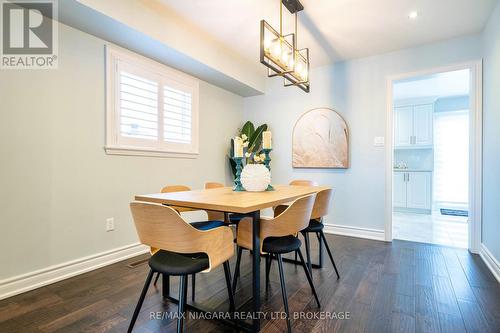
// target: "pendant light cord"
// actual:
[[281, 18]]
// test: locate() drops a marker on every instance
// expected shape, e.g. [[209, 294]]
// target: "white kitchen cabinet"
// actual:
[[403, 126], [412, 190], [413, 126], [422, 124], [418, 190], [399, 189]]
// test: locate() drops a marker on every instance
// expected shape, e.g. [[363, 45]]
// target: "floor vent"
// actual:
[[138, 263]]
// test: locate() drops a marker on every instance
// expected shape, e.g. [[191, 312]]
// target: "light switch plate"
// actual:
[[379, 141]]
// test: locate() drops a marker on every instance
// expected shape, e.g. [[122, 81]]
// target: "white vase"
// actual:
[[255, 177]]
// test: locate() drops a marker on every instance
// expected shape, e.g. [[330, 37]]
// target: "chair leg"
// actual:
[[156, 279], [329, 253], [141, 300], [193, 284], [165, 285], [320, 249], [227, 273], [182, 303], [283, 292], [308, 251], [237, 268], [309, 278], [269, 261]]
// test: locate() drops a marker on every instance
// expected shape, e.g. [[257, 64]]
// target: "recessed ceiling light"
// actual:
[[413, 15]]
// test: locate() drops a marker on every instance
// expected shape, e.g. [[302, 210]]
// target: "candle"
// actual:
[[238, 147], [266, 140]]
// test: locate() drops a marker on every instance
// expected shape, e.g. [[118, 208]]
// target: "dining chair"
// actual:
[[280, 208], [213, 221], [278, 237], [320, 209], [182, 250]]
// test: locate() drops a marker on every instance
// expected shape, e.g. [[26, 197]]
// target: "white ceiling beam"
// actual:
[[152, 30]]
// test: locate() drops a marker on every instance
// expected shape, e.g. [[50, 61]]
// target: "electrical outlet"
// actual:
[[379, 141], [110, 224]]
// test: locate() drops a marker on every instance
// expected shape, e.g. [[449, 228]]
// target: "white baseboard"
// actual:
[[490, 261], [36, 279], [358, 232]]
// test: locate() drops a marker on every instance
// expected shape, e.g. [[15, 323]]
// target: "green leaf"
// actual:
[[256, 139], [248, 129]]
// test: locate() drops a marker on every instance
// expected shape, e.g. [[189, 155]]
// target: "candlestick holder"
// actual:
[[267, 162], [237, 182]]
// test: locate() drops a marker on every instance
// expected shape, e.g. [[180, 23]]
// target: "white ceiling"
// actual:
[[337, 29], [455, 83]]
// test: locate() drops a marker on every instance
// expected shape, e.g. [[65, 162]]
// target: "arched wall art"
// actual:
[[320, 140]]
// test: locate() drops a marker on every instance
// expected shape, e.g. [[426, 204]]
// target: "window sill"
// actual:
[[127, 151]]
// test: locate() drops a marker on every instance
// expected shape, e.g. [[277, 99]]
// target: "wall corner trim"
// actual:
[[344, 230], [490, 261], [36, 279]]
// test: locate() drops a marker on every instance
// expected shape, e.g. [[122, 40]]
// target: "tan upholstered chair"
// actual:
[[277, 237], [321, 208], [214, 221], [183, 250], [296, 182]]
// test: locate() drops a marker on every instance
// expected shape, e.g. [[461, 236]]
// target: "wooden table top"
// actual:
[[224, 199]]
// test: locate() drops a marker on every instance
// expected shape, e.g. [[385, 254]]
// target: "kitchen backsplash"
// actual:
[[415, 158]]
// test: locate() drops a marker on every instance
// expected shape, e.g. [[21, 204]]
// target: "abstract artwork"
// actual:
[[320, 140]]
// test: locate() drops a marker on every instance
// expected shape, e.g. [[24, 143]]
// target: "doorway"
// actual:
[[434, 153]]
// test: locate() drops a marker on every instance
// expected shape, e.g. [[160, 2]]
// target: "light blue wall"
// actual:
[[491, 134], [358, 90]]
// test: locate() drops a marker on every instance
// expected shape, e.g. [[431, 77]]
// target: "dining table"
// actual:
[[250, 204]]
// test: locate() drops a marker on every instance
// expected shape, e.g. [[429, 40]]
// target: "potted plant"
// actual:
[[255, 176]]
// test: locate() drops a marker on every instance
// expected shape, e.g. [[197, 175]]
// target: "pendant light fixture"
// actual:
[[280, 54]]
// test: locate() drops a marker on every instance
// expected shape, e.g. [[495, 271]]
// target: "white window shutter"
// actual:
[[138, 107], [177, 117]]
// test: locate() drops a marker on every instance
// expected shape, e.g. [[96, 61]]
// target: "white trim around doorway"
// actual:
[[475, 151]]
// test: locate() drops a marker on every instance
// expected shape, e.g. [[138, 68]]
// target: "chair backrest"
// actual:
[[175, 188], [162, 227], [303, 182], [322, 203], [294, 219], [209, 185]]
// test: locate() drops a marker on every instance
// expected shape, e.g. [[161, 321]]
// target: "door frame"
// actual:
[[475, 146]]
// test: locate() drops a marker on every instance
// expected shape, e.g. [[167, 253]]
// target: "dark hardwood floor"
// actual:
[[398, 287]]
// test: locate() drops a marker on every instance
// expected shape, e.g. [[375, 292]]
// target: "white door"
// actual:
[[422, 124], [399, 189], [403, 126], [418, 190]]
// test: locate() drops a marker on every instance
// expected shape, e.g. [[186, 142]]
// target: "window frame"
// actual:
[[116, 144]]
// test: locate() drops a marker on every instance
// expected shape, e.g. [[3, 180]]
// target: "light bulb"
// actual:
[[290, 62], [413, 15], [303, 74], [284, 57], [267, 43], [298, 68], [276, 49]]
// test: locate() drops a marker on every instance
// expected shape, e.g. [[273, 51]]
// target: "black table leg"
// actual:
[[256, 269]]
